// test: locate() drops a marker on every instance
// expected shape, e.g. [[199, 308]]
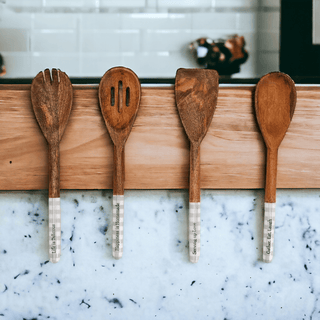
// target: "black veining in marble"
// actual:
[[43, 263], [115, 301], [83, 302], [76, 202]]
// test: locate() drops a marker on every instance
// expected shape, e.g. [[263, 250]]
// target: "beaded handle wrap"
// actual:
[[268, 231], [54, 229], [117, 226], [194, 231]]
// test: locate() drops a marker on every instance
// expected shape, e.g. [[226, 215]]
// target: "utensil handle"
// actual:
[[268, 231], [117, 226], [194, 182], [54, 204], [118, 201], [118, 170], [194, 203], [54, 171], [271, 176]]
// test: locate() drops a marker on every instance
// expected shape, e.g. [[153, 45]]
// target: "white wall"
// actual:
[[87, 37]]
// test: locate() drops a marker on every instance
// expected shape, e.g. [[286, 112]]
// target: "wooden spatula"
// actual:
[[196, 92], [52, 96], [119, 96], [275, 101]]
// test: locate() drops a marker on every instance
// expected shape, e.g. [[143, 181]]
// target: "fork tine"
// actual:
[[47, 76], [55, 76]]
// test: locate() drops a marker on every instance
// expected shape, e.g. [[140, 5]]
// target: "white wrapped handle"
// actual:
[[194, 231], [117, 226], [54, 229], [268, 231]]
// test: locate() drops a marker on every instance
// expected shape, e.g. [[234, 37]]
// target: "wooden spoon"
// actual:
[[275, 101], [52, 102], [119, 96], [196, 92]]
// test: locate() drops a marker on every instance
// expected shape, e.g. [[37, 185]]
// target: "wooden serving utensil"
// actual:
[[51, 97], [196, 92], [275, 101], [119, 96]]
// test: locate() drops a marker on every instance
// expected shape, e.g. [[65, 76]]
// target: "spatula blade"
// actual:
[[196, 93]]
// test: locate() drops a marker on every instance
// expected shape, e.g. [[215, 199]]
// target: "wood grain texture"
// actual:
[[196, 93], [275, 102], [157, 150], [119, 97], [51, 97]]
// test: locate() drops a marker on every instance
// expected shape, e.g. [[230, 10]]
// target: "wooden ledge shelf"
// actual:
[[157, 151]]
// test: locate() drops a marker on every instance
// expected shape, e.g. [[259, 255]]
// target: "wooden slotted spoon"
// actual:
[[196, 92], [52, 102], [119, 96], [275, 101]]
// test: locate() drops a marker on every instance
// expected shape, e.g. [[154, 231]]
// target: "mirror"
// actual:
[[85, 38]]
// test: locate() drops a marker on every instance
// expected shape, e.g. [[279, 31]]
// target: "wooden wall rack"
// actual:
[[157, 156]]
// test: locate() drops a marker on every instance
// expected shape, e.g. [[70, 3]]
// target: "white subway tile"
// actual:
[[101, 21], [184, 3], [55, 21], [267, 62], [16, 20], [110, 41], [156, 21], [165, 40], [130, 40], [91, 3], [236, 3], [269, 21], [68, 3], [151, 3], [214, 20], [123, 3], [247, 21], [269, 41], [55, 41], [68, 63], [18, 65], [157, 64], [95, 65], [24, 3], [270, 3], [100, 41], [14, 40]]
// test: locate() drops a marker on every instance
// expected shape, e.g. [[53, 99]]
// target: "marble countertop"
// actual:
[[154, 279]]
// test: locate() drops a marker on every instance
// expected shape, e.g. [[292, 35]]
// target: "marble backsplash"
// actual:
[[154, 279]]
